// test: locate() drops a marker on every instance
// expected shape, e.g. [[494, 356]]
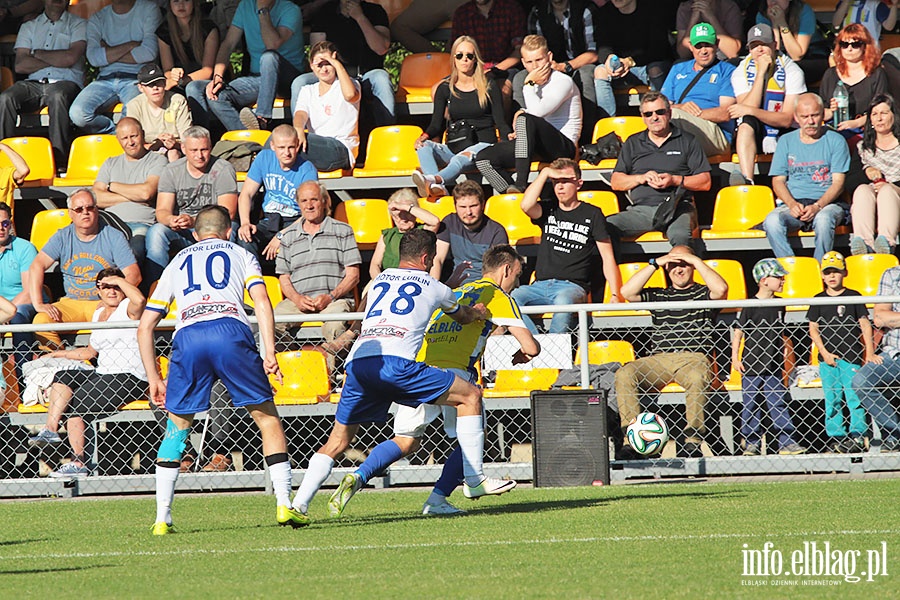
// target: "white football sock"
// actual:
[[165, 492], [281, 482], [436, 498], [470, 434], [317, 472]]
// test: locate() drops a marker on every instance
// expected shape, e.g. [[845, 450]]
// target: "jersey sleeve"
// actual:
[[449, 303], [252, 271], [161, 299], [505, 312]]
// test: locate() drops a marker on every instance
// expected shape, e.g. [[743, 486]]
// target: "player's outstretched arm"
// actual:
[[469, 314], [147, 347], [529, 346], [266, 318]]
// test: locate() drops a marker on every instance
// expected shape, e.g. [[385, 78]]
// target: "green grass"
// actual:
[[637, 541]]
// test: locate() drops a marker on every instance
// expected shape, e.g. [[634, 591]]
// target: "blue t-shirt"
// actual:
[[715, 83], [807, 25], [14, 261], [808, 167], [80, 261], [284, 14], [281, 186]]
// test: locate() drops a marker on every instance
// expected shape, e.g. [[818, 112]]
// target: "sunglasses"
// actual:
[[84, 209], [855, 44], [467, 55], [107, 286], [5, 224], [659, 111]]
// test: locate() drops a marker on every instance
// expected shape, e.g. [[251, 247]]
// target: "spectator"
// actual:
[[657, 165], [54, 65], [702, 92], [13, 176], [185, 186], [404, 208], [546, 128], [135, 175], [879, 151], [761, 329], [329, 108], [94, 394], [16, 255], [120, 38], [723, 15], [163, 114], [645, 57], [272, 31], [465, 235], [188, 44], [681, 343], [281, 169], [420, 18], [808, 172], [765, 105], [797, 34], [469, 98], [318, 263], [874, 15], [360, 32], [82, 249], [566, 256], [15, 13]]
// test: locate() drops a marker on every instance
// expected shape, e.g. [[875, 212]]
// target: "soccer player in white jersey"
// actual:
[[213, 340], [457, 348], [382, 367]]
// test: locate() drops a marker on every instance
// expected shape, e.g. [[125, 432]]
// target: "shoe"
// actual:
[[249, 119], [350, 484], [882, 245], [162, 528], [442, 509], [287, 515], [43, 438], [512, 190], [850, 445], [791, 449], [858, 246], [219, 464], [437, 190], [890, 445], [489, 486], [420, 180], [737, 178], [72, 469], [692, 449], [187, 464], [751, 450]]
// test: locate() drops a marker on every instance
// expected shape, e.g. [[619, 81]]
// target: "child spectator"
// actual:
[[836, 331], [762, 329], [163, 114]]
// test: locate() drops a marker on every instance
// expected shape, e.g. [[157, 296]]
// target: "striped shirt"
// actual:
[[886, 161], [890, 286], [681, 330], [317, 262]]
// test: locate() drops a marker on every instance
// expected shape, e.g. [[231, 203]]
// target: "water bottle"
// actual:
[[842, 101], [615, 62]]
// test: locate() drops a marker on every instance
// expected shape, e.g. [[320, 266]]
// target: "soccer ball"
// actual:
[[647, 433]]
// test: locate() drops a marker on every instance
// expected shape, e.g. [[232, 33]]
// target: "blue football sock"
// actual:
[[452, 473], [384, 455]]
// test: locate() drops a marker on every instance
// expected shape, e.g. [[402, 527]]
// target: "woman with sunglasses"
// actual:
[[857, 63], [93, 394], [469, 107]]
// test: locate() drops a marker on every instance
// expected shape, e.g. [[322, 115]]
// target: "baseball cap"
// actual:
[[703, 33], [150, 73], [833, 260], [768, 267], [760, 33]]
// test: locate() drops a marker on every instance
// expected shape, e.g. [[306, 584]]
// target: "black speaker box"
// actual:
[[571, 444]]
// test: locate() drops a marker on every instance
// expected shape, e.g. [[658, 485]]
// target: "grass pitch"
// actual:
[[635, 541]]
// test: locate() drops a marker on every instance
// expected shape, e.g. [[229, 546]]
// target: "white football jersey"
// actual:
[[206, 281], [400, 305]]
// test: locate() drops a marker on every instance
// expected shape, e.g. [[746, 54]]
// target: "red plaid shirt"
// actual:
[[498, 35]]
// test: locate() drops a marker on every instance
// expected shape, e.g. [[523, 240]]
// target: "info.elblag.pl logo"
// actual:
[[812, 563]]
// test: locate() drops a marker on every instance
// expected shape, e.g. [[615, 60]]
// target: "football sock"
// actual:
[[384, 455], [436, 497], [451, 474], [470, 432], [280, 472], [165, 492], [318, 471]]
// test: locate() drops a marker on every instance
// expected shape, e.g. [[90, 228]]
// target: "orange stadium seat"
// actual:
[[87, 154], [38, 153], [390, 152], [368, 218], [506, 210], [738, 209], [46, 223], [418, 73]]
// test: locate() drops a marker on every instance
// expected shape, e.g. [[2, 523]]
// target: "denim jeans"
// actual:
[[439, 159], [780, 221], [603, 88], [160, 241], [326, 153], [376, 88], [868, 384], [98, 95], [836, 388], [773, 391], [138, 240], [23, 342], [551, 291]]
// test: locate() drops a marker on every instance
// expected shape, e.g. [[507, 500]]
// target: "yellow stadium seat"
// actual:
[[367, 218], [419, 73], [607, 351], [506, 209], [864, 272], [732, 272], [440, 207], [6, 78], [273, 289], [305, 378], [85, 157], [803, 279], [606, 201], [260, 136], [512, 383], [46, 223], [38, 154], [624, 127], [738, 209], [658, 279], [390, 152]]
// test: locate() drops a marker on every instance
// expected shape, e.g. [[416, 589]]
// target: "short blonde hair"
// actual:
[[534, 42], [403, 197]]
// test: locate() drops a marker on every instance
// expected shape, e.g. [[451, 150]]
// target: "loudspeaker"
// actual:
[[571, 446]]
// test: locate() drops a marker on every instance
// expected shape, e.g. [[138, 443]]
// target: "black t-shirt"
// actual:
[[568, 248], [839, 326], [465, 105], [194, 63], [685, 330], [859, 94], [642, 35], [763, 328], [345, 33]]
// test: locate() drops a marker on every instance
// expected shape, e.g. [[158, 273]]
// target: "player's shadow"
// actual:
[[24, 541], [42, 570]]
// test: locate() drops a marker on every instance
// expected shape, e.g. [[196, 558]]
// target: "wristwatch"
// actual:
[[279, 235], [569, 69], [785, 30], [652, 262], [262, 11]]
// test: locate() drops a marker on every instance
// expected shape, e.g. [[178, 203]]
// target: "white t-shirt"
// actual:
[[558, 102], [207, 282], [401, 302], [330, 115], [117, 349], [788, 77]]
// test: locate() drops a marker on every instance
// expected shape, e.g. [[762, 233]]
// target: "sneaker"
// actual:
[[287, 515], [436, 190], [219, 464], [791, 449], [489, 486], [162, 528], [249, 119], [442, 509], [850, 445], [420, 180], [858, 246], [43, 438], [72, 469], [882, 245], [751, 450], [890, 445], [350, 484], [692, 449], [512, 190]]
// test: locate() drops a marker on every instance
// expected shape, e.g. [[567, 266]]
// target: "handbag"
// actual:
[[461, 135], [665, 212], [607, 146]]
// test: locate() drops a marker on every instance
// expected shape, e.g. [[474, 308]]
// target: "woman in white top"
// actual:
[[329, 109], [118, 379]]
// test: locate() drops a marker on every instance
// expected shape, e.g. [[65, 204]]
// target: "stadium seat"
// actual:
[[390, 152], [733, 273], [624, 127], [440, 207], [803, 279], [738, 209], [46, 223], [367, 218], [273, 289], [658, 279], [260, 136], [607, 351], [606, 201], [419, 73], [506, 210], [515, 383], [865, 270], [305, 378], [6, 78], [38, 153], [87, 154]]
